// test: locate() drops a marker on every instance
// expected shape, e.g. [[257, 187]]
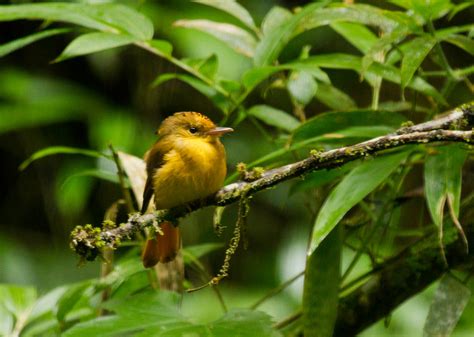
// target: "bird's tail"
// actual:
[[166, 250]]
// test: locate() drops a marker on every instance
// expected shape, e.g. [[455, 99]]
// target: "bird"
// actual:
[[186, 163]]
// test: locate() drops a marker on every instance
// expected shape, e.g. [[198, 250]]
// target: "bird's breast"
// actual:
[[192, 171]]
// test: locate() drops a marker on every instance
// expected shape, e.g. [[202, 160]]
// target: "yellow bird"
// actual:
[[187, 163]]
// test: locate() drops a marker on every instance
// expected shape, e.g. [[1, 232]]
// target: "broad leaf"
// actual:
[[270, 46], [135, 169], [16, 303], [274, 117], [414, 55], [447, 306], [431, 9], [157, 314], [11, 46], [276, 17], [387, 72], [233, 8], [193, 253], [461, 41], [334, 98], [52, 150], [350, 191], [97, 173], [109, 17], [321, 287], [318, 179], [161, 46], [302, 87], [443, 179], [356, 34], [94, 42], [70, 298], [331, 122], [235, 37]]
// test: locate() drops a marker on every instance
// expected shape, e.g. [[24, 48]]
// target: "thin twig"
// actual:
[[121, 175], [276, 290]]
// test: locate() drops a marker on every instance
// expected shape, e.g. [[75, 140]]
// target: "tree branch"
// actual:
[[401, 278], [87, 240]]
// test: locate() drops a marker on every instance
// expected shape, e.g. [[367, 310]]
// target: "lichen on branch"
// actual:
[[88, 241]]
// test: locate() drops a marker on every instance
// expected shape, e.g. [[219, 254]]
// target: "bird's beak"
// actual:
[[219, 131]]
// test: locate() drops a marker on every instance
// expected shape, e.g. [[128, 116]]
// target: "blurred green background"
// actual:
[[106, 98]]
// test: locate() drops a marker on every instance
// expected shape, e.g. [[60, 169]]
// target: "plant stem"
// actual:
[[276, 290]]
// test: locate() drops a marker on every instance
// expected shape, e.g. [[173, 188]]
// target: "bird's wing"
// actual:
[[154, 159]]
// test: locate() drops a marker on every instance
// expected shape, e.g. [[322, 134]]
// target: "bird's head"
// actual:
[[191, 125]]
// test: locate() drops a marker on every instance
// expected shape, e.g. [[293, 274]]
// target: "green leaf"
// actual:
[[217, 98], [209, 67], [235, 37], [274, 117], [193, 253], [387, 72], [233, 8], [112, 18], [99, 174], [447, 306], [70, 298], [356, 34], [460, 7], [334, 98], [157, 313], [443, 179], [461, 41], [331, 122], [276, 17], [318, 179], [302, 87], [321, 287], [52, 150], [431, 9], [413, 57], [161, 46], [11, 46], [16, 303], [270, 45], [350, 191], [92, 43]]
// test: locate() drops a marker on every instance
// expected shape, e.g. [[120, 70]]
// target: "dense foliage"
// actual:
[[310, 78]]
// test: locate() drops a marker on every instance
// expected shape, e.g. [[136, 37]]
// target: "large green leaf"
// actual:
[[109, 17], [414, 55], [387, 72], [276, 17], [334, 98], [274, 117], [157, 314], [356, 34], [314, 15], [52, 150], [271, 44], [11, 46], [461, 41], [16, 303], [318, 178], [331, 122], [302, 87], [233, 8], [447, 306], [350, 191], [94, 42], [321, 287], [235, 37], [443, 179], [431, 9]]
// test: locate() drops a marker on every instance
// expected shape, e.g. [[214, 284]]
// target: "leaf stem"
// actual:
[[276, 290]]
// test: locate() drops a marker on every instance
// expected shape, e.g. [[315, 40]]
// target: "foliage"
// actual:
[[396, 46]]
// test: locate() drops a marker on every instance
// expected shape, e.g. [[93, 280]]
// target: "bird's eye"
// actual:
[[193, 129]]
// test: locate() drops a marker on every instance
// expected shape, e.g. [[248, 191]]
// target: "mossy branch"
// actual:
[[87, 241]]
